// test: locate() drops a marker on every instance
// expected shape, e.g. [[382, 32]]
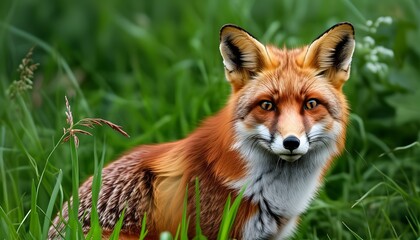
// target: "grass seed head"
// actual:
[[26, 73], [90, 123]]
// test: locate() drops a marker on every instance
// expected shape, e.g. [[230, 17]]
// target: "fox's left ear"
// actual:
[[331, 53], [243, 55]]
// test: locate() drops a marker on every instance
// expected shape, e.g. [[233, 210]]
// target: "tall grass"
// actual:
[[154, 68]]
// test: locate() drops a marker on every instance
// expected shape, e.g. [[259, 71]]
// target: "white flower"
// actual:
[[370, 42], [384, 52], [386, 20]]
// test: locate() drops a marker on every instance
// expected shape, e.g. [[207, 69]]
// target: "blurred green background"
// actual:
[[154, 67]]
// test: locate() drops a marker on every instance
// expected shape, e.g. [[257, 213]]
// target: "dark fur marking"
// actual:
[[276, 217], [235, 54], [339, 55]]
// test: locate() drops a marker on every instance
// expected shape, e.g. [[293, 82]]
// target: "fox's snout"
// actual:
[[291, 147]]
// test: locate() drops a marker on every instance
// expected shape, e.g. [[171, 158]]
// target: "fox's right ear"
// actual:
[[243, 55], [331, 53]]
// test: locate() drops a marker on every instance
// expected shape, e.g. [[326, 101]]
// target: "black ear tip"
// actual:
[[232, 27], [345, 24], [227, 27]]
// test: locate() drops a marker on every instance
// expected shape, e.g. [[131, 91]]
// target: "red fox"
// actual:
[[283, 124]]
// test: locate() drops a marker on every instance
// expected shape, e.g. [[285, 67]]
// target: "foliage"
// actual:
[[154, 68]]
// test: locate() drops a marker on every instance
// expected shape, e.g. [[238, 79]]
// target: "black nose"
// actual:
[[291, 143]]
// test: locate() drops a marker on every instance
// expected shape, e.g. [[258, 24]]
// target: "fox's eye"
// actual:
[[267, 105], [311, 104]]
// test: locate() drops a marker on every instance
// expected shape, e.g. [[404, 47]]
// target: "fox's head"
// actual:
[[288, 103]]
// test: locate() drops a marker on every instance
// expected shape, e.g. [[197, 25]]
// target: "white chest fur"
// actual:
[[281, 189]]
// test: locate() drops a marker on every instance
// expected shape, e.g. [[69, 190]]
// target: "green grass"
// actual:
[[154, 68]]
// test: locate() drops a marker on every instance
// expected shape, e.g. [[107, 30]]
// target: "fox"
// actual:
[[283, 125]]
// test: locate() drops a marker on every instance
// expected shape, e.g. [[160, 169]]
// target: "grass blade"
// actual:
[[34, 225], [117, 228], [178, 230], [2, 169], [185, 219], [224, 218], [8, 226], [229, 215], [386, 217], [352, 232], [74, 224], [95, 231], [367, 194], [143, 231], [48, 213]]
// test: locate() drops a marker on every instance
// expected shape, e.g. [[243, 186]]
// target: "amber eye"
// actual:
[[267, 105], [311, 104]]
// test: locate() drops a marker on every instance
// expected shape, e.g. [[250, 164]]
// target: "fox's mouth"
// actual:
[[290, 157]]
